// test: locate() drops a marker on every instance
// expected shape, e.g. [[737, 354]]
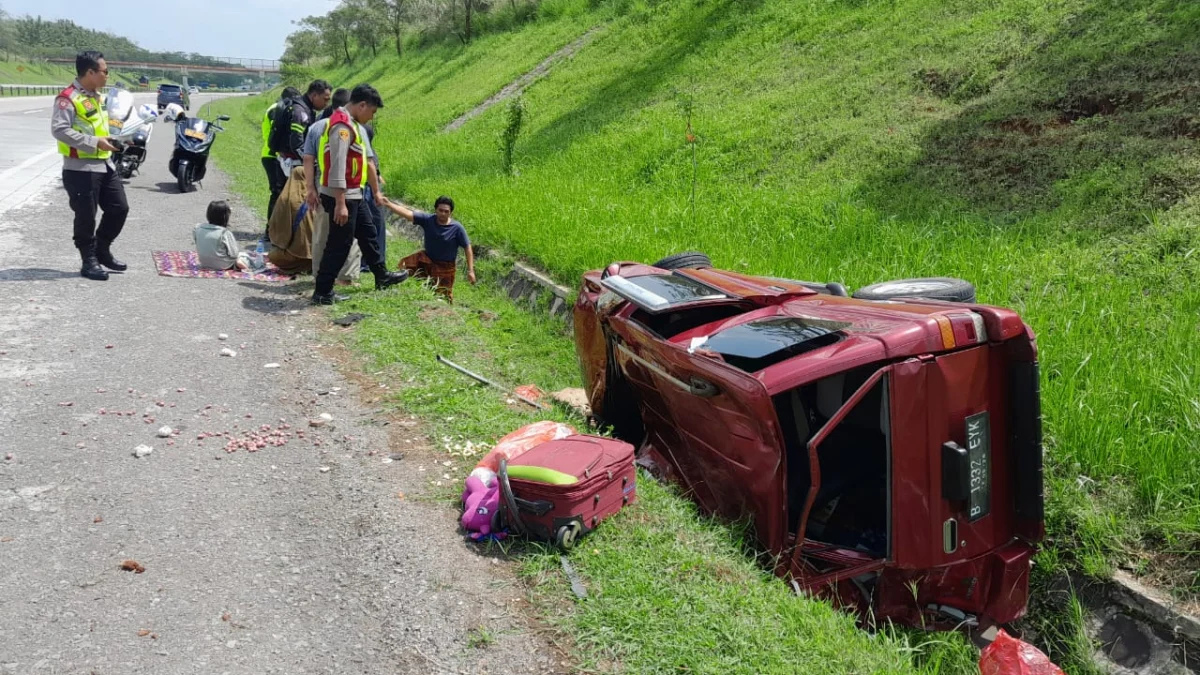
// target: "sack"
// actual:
[[1010, 656]]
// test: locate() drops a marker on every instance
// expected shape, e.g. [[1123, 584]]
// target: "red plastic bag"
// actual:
[[1010, 656]]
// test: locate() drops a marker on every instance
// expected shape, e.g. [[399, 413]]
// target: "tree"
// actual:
[[335, 30], [396, 14], [367, 26], [302, 46]]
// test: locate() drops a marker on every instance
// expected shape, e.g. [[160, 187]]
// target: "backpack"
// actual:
[[281, 127]]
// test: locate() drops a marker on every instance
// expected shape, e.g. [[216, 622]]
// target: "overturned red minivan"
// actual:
[[886, 447]]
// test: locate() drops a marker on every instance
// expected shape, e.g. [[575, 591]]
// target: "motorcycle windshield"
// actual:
[[193, 134], [120, 104]]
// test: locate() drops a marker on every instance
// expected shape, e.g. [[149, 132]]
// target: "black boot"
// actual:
[[105, 257], [328, 298], [91, 267], [385, 279]]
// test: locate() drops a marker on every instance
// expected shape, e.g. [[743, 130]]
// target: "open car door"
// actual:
[[844, 528]]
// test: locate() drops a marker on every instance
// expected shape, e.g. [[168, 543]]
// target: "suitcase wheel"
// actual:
[[566, 535]]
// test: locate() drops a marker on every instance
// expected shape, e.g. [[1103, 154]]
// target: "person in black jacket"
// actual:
[[340, 98], [290, 125]]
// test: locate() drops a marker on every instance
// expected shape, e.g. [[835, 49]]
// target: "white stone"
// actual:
[[142, 451]]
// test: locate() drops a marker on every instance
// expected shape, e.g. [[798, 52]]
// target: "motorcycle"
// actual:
[[129, 128], [193, 141]]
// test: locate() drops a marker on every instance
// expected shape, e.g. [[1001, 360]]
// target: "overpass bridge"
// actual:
[[259, 67]]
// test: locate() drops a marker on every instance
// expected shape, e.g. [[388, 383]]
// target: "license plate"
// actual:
[[979, 454], [192, 133]]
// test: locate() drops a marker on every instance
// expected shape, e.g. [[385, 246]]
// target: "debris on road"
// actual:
[[165, 432], [142, 451], [132, 566], [271, 365], [324, 469], [321, 421], [228, 352], [222, 336]]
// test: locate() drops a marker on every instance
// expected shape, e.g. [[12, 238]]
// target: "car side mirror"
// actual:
[[956, 472], [223, 118]]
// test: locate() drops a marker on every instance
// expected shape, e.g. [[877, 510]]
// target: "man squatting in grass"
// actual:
[[443, 237]]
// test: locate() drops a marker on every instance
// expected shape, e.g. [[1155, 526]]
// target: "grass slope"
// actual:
[[1044, 150], [670, 591]]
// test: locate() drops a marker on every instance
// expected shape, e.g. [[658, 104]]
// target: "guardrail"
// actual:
[[29, 89]]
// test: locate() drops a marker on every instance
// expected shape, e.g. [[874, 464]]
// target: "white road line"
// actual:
[[30, 112], [27, 163]]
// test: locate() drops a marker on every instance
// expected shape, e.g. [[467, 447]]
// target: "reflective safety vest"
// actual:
[[91, 119], [266, 130], [356, 161]]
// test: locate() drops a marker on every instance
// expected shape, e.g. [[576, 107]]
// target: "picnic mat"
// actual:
[[187, 264]]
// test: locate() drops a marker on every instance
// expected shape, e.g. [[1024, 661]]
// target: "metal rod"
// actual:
[[484, 380]]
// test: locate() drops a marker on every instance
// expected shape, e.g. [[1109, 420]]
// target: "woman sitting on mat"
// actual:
[[216, 246]]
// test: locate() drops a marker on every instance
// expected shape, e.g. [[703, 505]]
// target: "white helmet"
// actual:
[[147, 111], [173, 112]]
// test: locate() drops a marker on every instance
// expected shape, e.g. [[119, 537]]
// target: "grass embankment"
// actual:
[[48, 74], [1044, 150], [669, 589]]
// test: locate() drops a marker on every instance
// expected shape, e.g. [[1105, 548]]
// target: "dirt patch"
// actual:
[[1096, 105], [519, 85], [434, 313]]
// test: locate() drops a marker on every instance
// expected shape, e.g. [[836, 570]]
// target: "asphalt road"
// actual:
[[313, 554]]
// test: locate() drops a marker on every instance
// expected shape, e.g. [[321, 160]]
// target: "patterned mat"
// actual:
[[187, 264]]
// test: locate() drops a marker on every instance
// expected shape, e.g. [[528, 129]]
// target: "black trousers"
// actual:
[[89, 191], [275, 182], [376, 215], [358, 226]]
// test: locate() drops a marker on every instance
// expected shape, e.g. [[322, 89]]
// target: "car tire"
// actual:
[[947, 289], [693, 260]]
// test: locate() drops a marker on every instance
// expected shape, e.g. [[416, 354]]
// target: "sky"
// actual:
[[254, 29]]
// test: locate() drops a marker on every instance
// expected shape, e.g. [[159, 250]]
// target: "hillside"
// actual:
[[1046, 150]]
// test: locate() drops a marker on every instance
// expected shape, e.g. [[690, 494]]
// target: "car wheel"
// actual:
[[682, 261], [948, 289]]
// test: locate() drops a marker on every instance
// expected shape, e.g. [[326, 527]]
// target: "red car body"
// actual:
[[887, 453]]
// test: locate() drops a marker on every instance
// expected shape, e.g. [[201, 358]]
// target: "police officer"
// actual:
[[80, 124], [275, 177]]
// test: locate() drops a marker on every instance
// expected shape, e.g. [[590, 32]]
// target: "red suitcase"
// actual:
[[562, 489]]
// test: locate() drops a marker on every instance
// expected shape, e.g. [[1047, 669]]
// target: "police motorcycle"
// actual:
[[129, 128], [193, 141]]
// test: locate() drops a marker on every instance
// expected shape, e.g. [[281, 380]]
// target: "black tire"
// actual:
[[693, 260], [947, 289], [182, 179]]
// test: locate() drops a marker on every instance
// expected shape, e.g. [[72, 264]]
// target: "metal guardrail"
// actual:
[[29, 89]]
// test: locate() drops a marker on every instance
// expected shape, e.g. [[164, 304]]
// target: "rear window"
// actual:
[[755, 345], [169, 89]]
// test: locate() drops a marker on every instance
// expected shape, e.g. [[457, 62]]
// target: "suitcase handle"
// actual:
[[510, 501]]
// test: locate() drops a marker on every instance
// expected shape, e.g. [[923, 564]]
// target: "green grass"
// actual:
[[662, 579], [1044, 150], [31, 72]]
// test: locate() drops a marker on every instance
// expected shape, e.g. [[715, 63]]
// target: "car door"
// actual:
[[725, 435]]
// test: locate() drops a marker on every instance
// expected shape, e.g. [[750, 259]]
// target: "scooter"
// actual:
[[129, 128], [193, 140]]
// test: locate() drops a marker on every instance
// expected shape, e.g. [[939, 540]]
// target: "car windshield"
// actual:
[[170, 89]]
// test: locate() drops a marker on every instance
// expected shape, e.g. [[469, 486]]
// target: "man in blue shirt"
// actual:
[[443, 237]]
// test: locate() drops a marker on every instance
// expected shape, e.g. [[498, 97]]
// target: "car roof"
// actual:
[[794, 325]]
